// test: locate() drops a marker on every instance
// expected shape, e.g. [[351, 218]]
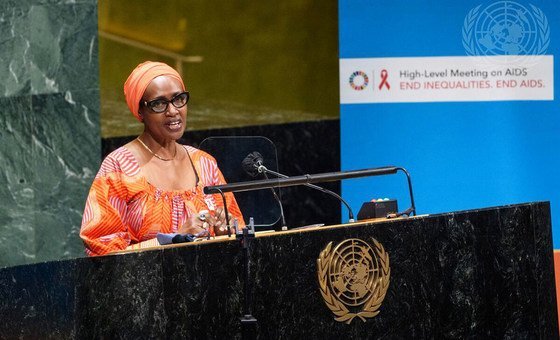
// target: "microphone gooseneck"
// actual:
[[253, 162], [326, 191], [284, 226], [228, 226]]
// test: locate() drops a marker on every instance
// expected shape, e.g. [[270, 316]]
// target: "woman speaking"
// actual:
[[153, 184]]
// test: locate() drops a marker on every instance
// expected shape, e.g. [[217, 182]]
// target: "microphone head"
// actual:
[[251, 163]]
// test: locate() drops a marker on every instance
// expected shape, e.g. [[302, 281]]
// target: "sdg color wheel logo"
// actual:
[[506, 28], [358, 80]]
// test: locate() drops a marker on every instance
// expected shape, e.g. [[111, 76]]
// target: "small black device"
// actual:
[[377, 209]]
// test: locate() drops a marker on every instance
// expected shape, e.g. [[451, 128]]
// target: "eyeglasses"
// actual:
[[160, 105]]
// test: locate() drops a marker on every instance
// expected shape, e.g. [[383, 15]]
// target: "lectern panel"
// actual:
[[484, 273]]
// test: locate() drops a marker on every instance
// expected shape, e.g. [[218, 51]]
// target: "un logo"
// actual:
[[353, 278], [505, 28]]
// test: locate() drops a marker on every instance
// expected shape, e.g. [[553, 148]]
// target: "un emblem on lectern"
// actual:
[[353, 278]]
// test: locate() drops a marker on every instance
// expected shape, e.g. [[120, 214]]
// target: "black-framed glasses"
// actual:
[[160, 105]]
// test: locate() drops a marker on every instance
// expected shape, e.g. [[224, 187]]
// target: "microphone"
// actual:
[[253, 164]]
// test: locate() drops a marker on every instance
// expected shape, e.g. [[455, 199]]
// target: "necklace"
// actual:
[[155, 154]]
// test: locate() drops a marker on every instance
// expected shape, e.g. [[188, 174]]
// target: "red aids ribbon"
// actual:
[[384, 81]]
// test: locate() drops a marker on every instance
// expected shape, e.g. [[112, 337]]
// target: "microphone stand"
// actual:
[[412, 208], [248, 321], [309, 179], [284, 226]]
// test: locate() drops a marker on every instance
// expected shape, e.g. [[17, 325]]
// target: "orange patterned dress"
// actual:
[[123, 209]]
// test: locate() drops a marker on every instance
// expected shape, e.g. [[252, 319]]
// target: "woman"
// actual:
[[153, 184]]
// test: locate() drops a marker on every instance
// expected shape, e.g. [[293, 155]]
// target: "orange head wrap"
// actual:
[[139, 80]]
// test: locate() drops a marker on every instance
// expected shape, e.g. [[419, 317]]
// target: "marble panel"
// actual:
[[14, 45], [17, 194], [66, 158], [544, 265], [205, 277], [48, 46], [49, 105], [37, 308], [63, 50], [120, 297]]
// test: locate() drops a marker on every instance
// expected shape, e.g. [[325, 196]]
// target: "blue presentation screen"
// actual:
[[461, 95]]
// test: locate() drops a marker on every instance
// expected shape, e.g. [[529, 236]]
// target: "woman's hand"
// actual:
[[194, 226], [205, 223]]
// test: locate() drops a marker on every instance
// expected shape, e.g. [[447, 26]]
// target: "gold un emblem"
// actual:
[[353, 278]]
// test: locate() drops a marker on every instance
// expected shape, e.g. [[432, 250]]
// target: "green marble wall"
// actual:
[[49, 126]]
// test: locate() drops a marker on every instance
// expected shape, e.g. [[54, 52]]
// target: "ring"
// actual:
[[202, 215]]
